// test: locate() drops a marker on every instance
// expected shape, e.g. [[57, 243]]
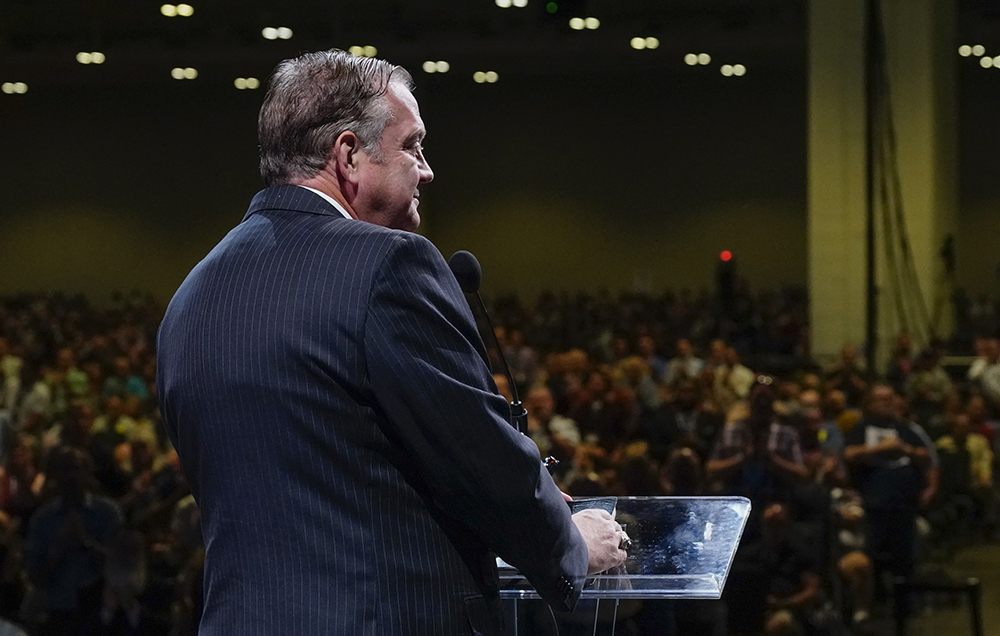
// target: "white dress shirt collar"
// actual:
[[330, 200]]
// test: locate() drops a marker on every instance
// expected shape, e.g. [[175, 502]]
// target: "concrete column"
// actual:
[[921, 52]]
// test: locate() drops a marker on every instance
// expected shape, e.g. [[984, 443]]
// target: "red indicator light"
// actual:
[[726, 256]]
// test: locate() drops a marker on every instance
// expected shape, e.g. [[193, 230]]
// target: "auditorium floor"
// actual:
[[942, 619]]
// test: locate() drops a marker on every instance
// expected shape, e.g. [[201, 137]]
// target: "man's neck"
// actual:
[[329, 185]]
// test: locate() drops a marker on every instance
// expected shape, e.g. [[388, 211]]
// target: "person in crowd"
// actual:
[[648, 351], [605, 413], [787, 402], [829, 435], [68, 538], [44, 402], [759, 457], [73, 430], [22, 480], [76, 380], [980, 422], [731, 381], [681, 475], [122, 383], [900, 363], [682, 422], [928, 385], [847, 376], [889, 464], [522, 358], [10, 380], [637, 377], [987, 381], [983, 352], [684, 364], [835, 410], [967, 467], [554, 434], [776, 581]]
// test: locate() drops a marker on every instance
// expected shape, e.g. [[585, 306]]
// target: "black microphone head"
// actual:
[[466, 269]]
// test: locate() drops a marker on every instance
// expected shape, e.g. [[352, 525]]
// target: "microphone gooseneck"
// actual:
[[469, 273]]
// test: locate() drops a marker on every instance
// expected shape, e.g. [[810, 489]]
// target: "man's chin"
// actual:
[[409, 222]]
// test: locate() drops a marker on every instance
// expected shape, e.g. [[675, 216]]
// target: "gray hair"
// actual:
[[314, 98]]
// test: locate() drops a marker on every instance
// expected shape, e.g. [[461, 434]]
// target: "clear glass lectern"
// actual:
[[682, 548]]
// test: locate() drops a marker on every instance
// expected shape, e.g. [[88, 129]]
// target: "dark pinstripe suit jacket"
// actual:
[[322, 382]]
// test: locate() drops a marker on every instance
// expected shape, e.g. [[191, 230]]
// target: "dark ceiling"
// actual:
[[39, 39]]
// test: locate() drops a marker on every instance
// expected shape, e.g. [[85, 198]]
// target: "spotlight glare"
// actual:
[[269, 33], [442, 66], [986, 62], [177, 73], [97, 57], [370, 51], [20, 88], [8, 88], [552, 7], [592, 23], [978, 50], [284, 33], [727, 70], [691, 59], [577, 24], [429, 67], [479, 77], [996, 62], [240, 83], [725, 256], [638, 43], [190, 73], [185, 10], [168, 10], [503, 4], [253, 83], [84, 58], [492, 77], [520, 4], [965, 50], [652, 43], [704, 59], [357, 51], [739, 70]]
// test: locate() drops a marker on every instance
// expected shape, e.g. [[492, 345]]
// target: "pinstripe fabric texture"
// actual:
[[322, 382]]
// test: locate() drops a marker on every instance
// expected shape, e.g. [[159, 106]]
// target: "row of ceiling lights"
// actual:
[[978, 50], [579, 24], [177, 10], [276, 33]]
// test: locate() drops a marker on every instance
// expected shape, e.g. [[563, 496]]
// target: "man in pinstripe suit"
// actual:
[[321, 378]]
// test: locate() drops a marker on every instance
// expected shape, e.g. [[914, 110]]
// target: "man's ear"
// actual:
[[346, 155]]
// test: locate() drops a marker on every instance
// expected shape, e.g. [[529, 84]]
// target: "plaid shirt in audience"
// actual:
[[782, 440]]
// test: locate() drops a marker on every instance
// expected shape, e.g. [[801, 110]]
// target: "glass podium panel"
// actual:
[[682, 547]]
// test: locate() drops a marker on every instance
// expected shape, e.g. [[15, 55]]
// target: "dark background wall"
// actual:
[[568, 182]]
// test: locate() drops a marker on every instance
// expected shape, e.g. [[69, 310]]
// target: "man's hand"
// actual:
[[603, 536]]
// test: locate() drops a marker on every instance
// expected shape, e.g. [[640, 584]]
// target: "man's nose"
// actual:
[[426, 174]]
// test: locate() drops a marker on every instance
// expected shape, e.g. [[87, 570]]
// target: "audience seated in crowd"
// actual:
[[99, 532]]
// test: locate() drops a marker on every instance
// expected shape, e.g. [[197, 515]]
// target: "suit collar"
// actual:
[[290, 197]]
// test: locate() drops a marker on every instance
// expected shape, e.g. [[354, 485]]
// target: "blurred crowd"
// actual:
[[98, 531], [854, 479]]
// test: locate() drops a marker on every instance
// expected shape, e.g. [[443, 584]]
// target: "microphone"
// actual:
[[467, 270], [469, 274]]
